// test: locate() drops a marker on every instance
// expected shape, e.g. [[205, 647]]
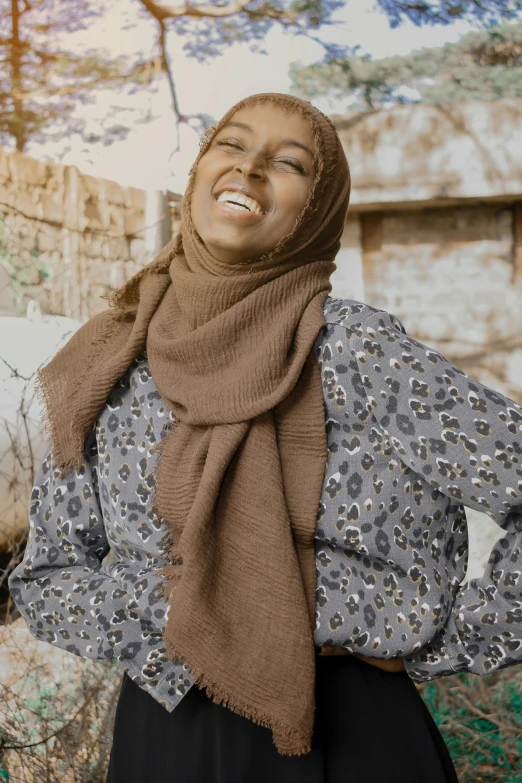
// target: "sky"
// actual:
[[146, 159]]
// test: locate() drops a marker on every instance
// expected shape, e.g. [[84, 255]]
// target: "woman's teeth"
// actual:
[[240, 201]]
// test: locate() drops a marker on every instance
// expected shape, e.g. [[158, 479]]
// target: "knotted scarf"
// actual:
[[239, 473]]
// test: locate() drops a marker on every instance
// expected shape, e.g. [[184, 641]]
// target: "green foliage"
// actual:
[[447, 11], [480, 719], [55, 726], [484, 65]]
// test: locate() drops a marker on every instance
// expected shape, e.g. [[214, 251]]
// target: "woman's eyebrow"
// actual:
[[294, 143], [284, 143], [239, 125]]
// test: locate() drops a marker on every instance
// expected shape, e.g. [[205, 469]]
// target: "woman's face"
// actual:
[[253, 182]]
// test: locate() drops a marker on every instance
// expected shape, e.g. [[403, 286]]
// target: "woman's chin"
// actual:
[[230, 255]]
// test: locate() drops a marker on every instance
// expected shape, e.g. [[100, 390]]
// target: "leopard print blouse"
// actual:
[[411, 440]]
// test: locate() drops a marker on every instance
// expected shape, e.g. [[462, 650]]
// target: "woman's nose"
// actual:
[[251, 166]]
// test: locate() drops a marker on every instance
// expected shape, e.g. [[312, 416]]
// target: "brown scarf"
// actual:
[[239, 475]]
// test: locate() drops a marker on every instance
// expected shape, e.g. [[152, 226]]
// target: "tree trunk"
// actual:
[[18, 130]]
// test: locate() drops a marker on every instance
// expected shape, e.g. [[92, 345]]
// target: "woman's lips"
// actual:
[[240, 200], [237, 214]]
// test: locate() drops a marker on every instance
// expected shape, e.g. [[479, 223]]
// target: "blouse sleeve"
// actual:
[[466, 440], [61, 588]]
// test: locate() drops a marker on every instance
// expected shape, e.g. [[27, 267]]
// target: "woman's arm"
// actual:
[[61, 588], [465, 440]]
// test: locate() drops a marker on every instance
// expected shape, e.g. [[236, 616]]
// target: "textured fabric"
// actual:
[[390, 546], [371, 726], [230, 349]]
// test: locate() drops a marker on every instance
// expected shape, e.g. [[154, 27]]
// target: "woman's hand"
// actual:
[[387, 664]]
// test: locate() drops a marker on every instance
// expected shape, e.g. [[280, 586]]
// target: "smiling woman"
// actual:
[[253, 182], [190, 516]]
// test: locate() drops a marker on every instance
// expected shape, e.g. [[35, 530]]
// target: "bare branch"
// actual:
[[172, 87], [94, 691], [166, 68], [161, 12]]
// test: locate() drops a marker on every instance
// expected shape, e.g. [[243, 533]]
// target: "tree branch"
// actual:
[[172, 87], [161, 12], [161, 15]]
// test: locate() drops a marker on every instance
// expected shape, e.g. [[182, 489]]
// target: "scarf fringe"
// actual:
[[171, 574], [44, 392], [43, 396], [128, 293], [293, 738], [96, 350]]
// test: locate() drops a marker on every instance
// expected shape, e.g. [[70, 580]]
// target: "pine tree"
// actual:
[[484, 65]]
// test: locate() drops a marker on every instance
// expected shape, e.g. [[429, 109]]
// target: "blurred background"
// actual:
[[102, 107]]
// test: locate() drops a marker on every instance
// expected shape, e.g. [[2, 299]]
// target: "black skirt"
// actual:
[[370, 726]]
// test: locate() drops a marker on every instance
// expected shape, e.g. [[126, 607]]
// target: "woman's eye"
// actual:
[[236, 145], [294, 163]]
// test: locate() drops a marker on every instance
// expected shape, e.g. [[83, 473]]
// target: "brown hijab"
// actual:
[[240, 473]]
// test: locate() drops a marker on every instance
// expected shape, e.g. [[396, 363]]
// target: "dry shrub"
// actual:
[[480, 719], [56, 711]]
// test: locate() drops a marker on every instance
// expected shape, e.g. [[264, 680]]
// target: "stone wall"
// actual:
[[434, 232], [67, 238], [449, 275], [434, 154]]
